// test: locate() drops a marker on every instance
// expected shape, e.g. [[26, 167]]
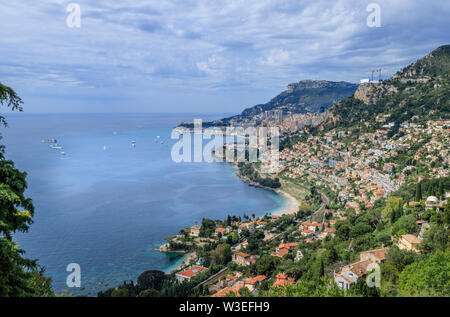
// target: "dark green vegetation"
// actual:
[[18, 276], [157, 284], [248, 171], [418, 93], [404, 273]]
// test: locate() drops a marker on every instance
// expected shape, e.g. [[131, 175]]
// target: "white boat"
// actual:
[[63, 153], [56, 147], [49, 141], [133, 144]]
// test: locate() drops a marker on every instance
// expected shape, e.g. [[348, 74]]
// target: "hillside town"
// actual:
[[370, 184], [358, 171]]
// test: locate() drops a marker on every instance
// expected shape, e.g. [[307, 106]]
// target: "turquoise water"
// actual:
[[107, 209]]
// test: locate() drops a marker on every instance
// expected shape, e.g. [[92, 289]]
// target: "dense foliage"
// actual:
[[18, 276]]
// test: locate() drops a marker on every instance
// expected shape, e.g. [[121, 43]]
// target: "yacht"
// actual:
[[49, 141]]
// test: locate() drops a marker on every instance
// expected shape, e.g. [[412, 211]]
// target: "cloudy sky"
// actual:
[[202, 55]]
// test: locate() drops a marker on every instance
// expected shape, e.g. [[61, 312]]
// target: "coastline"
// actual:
[[185, 261], [292, 205]]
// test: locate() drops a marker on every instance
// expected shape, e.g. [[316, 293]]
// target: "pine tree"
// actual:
[[418, 192], [441, 190]]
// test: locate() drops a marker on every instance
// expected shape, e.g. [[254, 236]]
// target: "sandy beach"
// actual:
[[186, 261], [291, 206]]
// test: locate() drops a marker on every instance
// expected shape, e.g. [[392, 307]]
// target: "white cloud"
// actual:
[[201, 44]]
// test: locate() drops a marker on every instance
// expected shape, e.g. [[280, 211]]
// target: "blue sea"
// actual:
[[106, 205]]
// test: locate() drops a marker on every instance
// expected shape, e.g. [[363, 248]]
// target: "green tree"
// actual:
[[428, 277], [401, 258], [221, 255], [149, 293], [360, 229], [407, 224], [343, 230], [151, 279], [435, 238], [418, 192], [19, 276], [266, 264], [393, 209], [120, 292]]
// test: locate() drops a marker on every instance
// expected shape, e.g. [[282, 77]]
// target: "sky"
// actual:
[[210, 56]]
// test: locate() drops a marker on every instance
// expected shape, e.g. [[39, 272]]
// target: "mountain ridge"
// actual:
[[305, 96]]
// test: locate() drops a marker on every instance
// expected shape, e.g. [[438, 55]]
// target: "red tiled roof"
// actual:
[[192, 271], [283, 280], [378, 253], [227, 290], [242, 254], [255, 279], [411, 239], [288, 245]]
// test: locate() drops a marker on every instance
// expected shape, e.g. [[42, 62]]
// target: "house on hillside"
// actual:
[[283, 280], [221, 232], [189, 273], [409, 242], [284, 249], [228, 290], [348, 275], [244, 259], [253, 282], [431, 203], [195, 231]]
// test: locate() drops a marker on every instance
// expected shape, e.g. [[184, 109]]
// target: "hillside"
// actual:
[[306, 96], [302, 97], [418, 92]]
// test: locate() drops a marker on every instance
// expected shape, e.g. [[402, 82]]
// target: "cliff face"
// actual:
[[372, 92]]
